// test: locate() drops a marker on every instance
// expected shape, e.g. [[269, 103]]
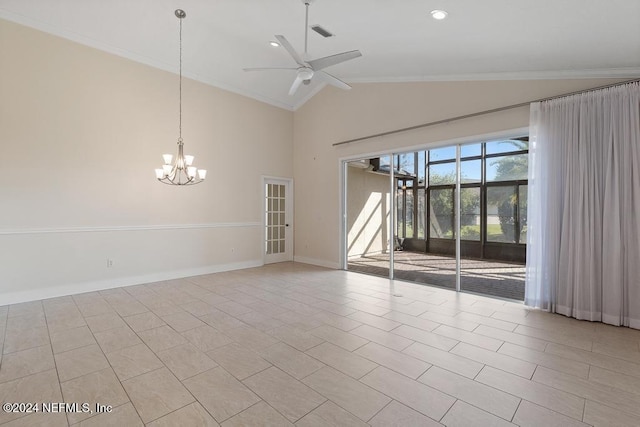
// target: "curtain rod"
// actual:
[[481, 113]]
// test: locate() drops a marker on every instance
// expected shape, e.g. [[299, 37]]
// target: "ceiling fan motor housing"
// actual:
[[305, 73]]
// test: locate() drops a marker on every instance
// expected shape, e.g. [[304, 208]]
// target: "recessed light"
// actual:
[[274, 44], [438, 14]]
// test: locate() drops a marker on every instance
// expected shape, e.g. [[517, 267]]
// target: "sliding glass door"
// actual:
[[456, 216]]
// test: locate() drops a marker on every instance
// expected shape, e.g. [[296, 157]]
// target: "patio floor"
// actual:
[[501, 279]]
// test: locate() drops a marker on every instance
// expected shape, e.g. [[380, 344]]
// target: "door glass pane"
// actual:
[[470, 213], [384, 161], [501, 205], [400, 212], [522, 212], [470, 171], [421, 167], [368, 212], [470, 150], [507, 168], [442, 174], [275, 206], [407, 164], [422, 213], [441, 213], [409, 214], [445, 153], [506, 146]]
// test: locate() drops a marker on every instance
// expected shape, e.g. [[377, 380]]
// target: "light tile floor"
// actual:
[[295, 344]]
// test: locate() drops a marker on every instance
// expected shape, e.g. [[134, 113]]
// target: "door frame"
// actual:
[[289, 233]]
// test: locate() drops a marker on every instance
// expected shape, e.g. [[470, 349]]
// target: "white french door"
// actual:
[[278, 230]]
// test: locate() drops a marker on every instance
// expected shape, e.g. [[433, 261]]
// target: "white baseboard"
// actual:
[[318, 262], [59, 291]]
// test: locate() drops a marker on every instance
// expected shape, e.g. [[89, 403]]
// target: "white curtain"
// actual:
[[583, 226]]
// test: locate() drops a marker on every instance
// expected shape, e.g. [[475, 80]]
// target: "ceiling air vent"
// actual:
[[322, 31]]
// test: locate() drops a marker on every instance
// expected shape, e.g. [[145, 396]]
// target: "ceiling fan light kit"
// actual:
[[439, 15], [307, 70]]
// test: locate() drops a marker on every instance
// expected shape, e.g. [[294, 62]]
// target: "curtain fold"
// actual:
[[583, 237]]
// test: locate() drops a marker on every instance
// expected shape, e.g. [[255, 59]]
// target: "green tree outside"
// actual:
[[442, 204], [510, 168]]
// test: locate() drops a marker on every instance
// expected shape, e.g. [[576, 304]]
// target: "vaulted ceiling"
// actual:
[[399, 41]]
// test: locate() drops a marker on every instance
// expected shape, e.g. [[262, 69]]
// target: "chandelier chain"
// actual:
[[180, 86]]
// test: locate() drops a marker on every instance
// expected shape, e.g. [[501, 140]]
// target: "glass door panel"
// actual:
[[470, 214], [522, 213], [428, 250], [494, 265], [368, 212], [441, 205], [278, 239], [501, 214]]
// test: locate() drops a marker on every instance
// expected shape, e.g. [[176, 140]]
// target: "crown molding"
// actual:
[[600, 73]]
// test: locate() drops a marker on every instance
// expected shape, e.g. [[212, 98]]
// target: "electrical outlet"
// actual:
[[109, 263]]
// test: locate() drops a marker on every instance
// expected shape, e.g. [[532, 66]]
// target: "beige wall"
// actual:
[[81, 133], [368, 210], [333, 116]]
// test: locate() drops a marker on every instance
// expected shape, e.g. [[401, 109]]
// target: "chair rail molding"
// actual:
[[99, 229]]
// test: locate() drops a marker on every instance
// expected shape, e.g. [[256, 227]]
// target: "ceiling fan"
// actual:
[[309, 69]]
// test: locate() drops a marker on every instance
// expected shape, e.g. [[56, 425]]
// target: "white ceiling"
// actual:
[[488, 39]]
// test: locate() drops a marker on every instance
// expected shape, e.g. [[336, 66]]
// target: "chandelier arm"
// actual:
[[168, 181]]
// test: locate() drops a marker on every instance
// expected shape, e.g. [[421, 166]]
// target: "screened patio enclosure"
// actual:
[[452, 216]]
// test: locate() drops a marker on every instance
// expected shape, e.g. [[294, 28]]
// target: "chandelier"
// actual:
[[180, 171]]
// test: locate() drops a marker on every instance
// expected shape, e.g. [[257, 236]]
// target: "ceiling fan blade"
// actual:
[[327, 61], [296, 84], [332, 80], [285, 43], [269, 68]]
